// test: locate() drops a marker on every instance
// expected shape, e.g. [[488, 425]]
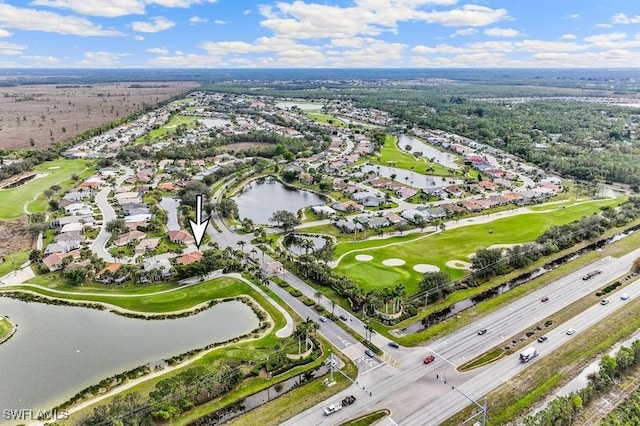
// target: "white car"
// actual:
[[624, 296], [571, 331], [322, 319]]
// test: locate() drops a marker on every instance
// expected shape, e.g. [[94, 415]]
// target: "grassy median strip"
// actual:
[[5, 327], [517, 396], [368, 419]]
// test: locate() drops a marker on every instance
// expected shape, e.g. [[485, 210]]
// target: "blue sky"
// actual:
[[319, 33]]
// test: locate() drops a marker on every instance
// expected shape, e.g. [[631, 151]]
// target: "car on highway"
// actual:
[[429, 359], [542, 339], [344, 318], [604, 302], [624, 296], [482, 331], [571, 331], [369, 353], [394, 345], [544, 299], [322, 319]]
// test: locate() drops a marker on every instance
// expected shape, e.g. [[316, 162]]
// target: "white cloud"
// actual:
[[41, 61], [469, 15], [101, 59], [138, 38], [158, 51], [372, 52], [574, 16], [157, 24], [464, 32], [568, 37], [7, 48], [603, 25], [219, 22], [196, 20], [605, 38], [38, 20], [114, 8], [246, 12], [502, 32], [621, 18], [5, 33], [548, 46]]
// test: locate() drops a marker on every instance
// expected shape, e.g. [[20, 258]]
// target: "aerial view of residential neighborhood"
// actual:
[[361, 212]]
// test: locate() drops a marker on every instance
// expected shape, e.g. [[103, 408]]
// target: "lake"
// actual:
[[260, 199], [414, 179], [318, 243], [60, 350], [305, 106], [214, 122], [428, 151]]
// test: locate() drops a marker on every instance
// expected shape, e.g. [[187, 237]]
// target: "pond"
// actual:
[[171, 206], [414, 179], [318, 243], [305, 106], [60, 350], [428, 151], [214, 122], [260, 199]]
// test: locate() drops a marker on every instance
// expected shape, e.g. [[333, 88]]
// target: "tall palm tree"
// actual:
[[253, 253], [399, 293], [307, 245], [241, 244]]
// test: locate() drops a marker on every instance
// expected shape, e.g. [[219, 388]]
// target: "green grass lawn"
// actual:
[[142, 301], [58, 172], [391, 155], [324, 118], [13, 261], [168, 128], [455, 243], [5, 327]]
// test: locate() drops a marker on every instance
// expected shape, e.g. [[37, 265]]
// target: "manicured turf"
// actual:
[[324, 118], [455, 243], [159, 303], [14, 199], [391, 155], [13, 261], [168, 128], [5, 327]]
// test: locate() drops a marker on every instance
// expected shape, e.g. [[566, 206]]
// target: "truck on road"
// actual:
[[339, 406], [528, 354]]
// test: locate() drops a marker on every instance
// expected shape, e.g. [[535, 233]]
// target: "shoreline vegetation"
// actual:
[[7, 329]]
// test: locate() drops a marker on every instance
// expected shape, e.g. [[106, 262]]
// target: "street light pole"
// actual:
[[483, 408]]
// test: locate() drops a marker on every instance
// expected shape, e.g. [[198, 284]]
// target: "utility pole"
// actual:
[[483, 407]]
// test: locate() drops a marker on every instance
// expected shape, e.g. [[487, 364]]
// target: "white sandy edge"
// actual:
[[456, 264], [425, 267], [495, 246], [131, 383], [363, 257], [393, 262]]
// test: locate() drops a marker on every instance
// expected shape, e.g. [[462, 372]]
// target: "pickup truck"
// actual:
[[339, 406]]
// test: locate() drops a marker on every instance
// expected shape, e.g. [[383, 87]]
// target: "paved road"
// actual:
[[417, 398]]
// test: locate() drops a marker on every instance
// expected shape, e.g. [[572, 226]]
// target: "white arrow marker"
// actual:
[[198, 227]]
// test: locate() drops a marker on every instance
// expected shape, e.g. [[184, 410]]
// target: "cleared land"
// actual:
[[30, 194], [15, 238], [46, 113], [324, 118], [455, 243]]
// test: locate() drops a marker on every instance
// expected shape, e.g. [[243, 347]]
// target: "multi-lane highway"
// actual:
[[414, 394]]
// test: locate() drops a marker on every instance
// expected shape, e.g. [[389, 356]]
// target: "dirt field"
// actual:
[[35, 116], [15, 236]]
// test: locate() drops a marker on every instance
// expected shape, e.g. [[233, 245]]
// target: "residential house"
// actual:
[[55, 260], [406, 192], [271, 268], [181, 236], [393, 218], [410, 214], [189, 258], [434, 212], [163, 265], [61, 247], [110, 274], [323, 211], [349, 226], [75, 227], [148, 244], [347, 206], [132, 236], [372, 201]]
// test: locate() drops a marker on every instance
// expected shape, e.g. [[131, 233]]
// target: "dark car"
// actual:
[[429, 359], [482, 331], [394, 345], [544, 299], [542, 339], [344, 318]]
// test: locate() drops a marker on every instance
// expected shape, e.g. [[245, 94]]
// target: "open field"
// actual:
[[457, 243], [54, 172], [15, 238], [169, 128], [48, 113], [324, 118]]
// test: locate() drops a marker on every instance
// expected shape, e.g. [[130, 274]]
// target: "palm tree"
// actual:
[[399, 293], [333, 306], [318, 295], [241, 244], [253, 253], [306, 245]]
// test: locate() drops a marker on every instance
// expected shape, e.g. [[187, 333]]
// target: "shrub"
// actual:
[[307, 301], [319, 308], [294, 292]]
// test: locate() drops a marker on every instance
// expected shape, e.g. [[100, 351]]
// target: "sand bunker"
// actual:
[[495, 246], [393, 262], [363, 257], [425, 267], [458, 264]]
